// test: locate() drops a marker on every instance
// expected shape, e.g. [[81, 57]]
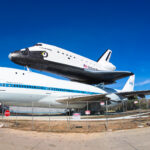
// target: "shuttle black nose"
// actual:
[[13, 55], [10, 56]]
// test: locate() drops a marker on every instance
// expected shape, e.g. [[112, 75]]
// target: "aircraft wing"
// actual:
[[106, 77], [134, 93], [102, 97], [84, 99]]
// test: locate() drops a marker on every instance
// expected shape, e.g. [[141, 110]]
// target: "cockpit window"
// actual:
[[38, 44], [25, 52]]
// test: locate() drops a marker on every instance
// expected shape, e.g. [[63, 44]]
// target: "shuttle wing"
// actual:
[[106, 77], [103, 97]]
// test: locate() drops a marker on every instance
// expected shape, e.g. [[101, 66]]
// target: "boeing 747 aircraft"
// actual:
[[62, 62], [22, 88]]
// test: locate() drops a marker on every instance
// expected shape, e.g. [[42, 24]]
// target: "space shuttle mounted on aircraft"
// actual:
[[65, 63]]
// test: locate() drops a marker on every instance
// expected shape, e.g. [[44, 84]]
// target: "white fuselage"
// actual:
[[62, 56], [24, 88]]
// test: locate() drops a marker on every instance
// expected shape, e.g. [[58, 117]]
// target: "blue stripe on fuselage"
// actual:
[[44, 88]]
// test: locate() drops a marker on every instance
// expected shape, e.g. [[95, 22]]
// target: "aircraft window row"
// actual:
[[44, 88], [22, 86]]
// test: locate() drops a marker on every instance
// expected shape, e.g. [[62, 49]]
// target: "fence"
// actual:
[[126, 115]]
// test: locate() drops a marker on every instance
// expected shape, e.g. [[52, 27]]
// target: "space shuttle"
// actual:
[[77, 68]]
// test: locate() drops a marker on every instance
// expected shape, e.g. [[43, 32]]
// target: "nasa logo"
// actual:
[[44, 54]]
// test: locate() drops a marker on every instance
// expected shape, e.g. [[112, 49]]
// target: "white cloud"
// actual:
[[143, 83]]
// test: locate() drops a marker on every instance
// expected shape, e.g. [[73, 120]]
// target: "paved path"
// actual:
[[135, 139]]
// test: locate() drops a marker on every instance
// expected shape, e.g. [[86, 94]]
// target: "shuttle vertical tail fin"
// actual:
[[104, 61], [106, 56], [129, 86]]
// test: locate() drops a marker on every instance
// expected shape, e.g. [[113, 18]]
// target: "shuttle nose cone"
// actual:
[[10, 56], [13, 55]]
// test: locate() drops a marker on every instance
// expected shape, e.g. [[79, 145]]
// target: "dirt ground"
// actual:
[[44, 124], [135, 139], [77, 126]]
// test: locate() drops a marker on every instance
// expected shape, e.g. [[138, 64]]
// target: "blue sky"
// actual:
[[84, 27]]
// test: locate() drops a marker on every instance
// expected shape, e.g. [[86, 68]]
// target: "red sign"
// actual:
[[76, 116], [7, 113], [102, 103], [87, 112], [135, 102]]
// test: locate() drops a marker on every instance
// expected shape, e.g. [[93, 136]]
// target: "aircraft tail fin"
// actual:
[[129, 86], [106, 56]]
